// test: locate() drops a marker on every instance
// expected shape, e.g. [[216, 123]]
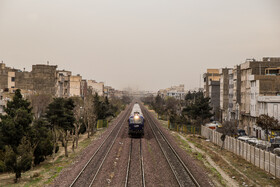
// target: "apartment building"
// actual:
[[178, 92], [75, 85], [96, 87], [236, 98], [211, 89], [247, 91], [208, 77], [247, 69], [7, 77], [224, 93], [63, 83], [214, 95], [84, 88]]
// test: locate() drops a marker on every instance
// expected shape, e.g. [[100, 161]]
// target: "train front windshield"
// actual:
[[136, 120]]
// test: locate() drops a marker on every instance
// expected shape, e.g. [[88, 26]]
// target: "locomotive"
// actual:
[[136, 121]]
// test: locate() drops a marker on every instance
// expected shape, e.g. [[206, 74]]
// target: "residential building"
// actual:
[[43, 79], [177, 92], [214, 95], [231, 113], [75, 85], [264, 96], [236, 99], [84, 88], [252, 67], [109, 91], [63, 83], [210, 75], [224, 93], [7, 77], [96, 87]]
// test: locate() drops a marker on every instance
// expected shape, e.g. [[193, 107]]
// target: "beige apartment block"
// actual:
[[96, 87], [109, 91], [75, 85], [247, 69], [11, 79], [178, 92], [63, 83], [210, 75], [265, 99], [7, 77]]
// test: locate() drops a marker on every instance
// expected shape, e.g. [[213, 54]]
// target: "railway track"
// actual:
[[179, 169], [135, 168], [88, 174]]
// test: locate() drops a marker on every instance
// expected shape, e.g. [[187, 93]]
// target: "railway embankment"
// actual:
[[223, 167], [48, 171]]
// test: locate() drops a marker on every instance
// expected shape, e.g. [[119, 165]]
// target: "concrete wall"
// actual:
[[260, 158]]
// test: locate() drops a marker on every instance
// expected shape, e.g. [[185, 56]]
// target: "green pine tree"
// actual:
[[15, 127]]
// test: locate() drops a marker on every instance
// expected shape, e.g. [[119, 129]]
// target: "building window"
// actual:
[[13, 79]]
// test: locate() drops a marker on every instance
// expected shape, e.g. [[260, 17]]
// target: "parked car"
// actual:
[[243, 138], [213, 125], [241, 132], [274, 143], [253, 141]]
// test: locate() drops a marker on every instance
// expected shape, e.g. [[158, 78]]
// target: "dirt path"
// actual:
[[229, 181]]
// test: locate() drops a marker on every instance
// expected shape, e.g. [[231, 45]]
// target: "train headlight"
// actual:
[[136, 117]]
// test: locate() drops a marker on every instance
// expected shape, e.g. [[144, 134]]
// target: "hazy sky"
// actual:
[[146, 44]]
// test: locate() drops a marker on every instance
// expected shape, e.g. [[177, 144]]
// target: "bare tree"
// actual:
[[267, 123], [78, 114], [39, 104], [65, 137], [89, 117], [229, 128]]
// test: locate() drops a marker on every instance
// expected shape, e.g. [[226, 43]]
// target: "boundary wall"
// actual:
[[260, 158]]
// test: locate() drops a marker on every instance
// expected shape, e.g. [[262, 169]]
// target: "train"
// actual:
[[136, 121]]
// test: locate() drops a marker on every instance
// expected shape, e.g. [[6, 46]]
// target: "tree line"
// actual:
[[194, 109], [31, 129]]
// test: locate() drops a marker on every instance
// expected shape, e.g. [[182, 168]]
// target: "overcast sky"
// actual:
[[145, 44]]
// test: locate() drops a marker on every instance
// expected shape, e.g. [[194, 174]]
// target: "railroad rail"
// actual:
[[135, 164], [88, 174], [178, 167]]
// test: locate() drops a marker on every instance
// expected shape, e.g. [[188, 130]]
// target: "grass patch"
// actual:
[[242, 170], [33, 182], [184, 144], [218, 176]]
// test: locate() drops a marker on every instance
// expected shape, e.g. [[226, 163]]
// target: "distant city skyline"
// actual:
[[145, 45]]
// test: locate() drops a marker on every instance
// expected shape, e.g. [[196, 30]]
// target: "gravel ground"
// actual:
[[68, 174], [113, 171], [135, 171], [157, 170], [197, 171]]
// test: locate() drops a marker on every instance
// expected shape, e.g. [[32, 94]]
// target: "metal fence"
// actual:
[[102, 123], [187, 129], [260, 158]]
